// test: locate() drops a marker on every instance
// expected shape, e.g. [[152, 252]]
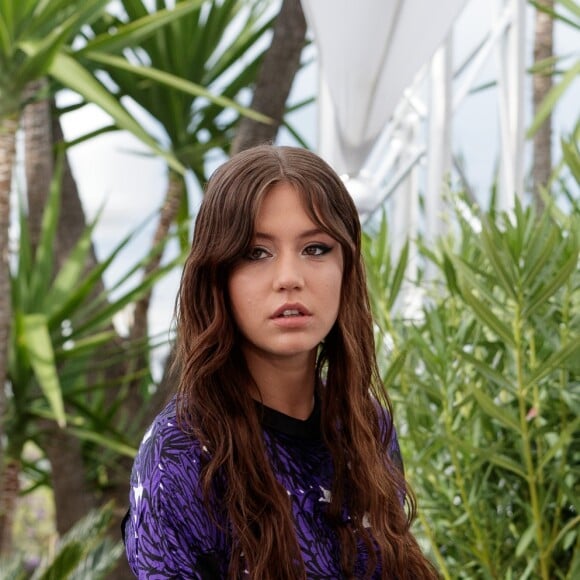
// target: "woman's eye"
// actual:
[[317, 249], [257, 254]]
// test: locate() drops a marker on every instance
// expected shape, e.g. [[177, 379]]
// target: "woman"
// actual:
[[274, 459]]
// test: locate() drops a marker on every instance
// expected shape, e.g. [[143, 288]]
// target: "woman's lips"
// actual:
[[290, 316], [291, 310]]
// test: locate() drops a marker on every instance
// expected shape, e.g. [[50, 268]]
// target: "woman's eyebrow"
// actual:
[[305, 234]]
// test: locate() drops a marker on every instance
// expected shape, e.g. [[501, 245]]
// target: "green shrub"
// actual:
[[485, 379]]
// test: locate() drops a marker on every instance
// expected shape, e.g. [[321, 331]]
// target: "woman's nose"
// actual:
[[288, 273]]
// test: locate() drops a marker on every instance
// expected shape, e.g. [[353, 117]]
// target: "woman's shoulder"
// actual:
[[166, 449], [165, 429]]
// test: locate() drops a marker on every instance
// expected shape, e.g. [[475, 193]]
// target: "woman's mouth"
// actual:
[[290, 312]]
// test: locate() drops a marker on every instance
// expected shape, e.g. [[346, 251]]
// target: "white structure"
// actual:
[[378, 122]]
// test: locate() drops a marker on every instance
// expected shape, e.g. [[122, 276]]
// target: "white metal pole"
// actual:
[[511, 78], [517, 90], [439, 147]]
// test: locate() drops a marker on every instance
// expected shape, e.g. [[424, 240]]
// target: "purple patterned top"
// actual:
[[169, 532]]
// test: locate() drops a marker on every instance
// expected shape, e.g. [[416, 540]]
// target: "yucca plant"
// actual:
[[486, 384], [84, 553], [58, 326]]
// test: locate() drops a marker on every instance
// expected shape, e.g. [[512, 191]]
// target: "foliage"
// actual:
[[195, 88], [193, 99], [485, 379], [36, 41], [59, 324], [84, 553], [48, 26]]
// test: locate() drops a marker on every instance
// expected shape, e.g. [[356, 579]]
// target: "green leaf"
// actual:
[[572, 6], [542, 7], [105, 313], [44, 36], [91, 135], [565, 437], [86, 345], [503, 462], [70, 272], [478, 278], [176, 82], [487, 371], [492, 245], [92, 279], [571, 154], [399, 275], [64, 563], [450, 275], [554, 95], [109, 443], [546, 291], [137, 30], [71, 74], [554, 362], [498, 413], [36, 341], [394, 369], [21, 280], [42, 271], [488, 318], [525, 540], [541, 251]]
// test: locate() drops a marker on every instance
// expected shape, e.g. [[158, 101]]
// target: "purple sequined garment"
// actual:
[[168, 531]]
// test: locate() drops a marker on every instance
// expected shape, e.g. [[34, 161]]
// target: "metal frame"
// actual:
[[390, 171]]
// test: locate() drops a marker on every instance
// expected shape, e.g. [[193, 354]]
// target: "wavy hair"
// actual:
[[214, 402]]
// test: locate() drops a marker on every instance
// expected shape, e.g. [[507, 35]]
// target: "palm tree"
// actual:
[[47, 26]]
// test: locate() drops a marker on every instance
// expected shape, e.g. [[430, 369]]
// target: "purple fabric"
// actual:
[[169, 532]]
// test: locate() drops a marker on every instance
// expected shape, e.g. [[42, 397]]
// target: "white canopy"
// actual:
[[369, 52]]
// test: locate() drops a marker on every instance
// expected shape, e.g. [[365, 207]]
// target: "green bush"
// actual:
[[485, 380], [83, 553]]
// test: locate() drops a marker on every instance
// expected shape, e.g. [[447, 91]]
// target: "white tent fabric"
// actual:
[[369, 51]]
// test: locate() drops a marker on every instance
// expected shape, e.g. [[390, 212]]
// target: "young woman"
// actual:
[[274, 460]]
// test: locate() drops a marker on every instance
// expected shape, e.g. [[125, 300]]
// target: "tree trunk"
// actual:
[[543, 49], [9, 490], [275, 78], [72, 220], [39, 159], [167, 216], [8, 127], [73, 497]]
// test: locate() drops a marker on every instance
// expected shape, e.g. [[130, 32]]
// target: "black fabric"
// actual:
[[306, 429], [123, 524]]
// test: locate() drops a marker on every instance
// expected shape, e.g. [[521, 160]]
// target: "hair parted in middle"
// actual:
[[214, 401]]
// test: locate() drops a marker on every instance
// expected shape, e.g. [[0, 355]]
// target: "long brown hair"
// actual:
[[214, 403]]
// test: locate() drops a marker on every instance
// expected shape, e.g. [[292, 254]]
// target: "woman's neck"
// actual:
[[284, 385]]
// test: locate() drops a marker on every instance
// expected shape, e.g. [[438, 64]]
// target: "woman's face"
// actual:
[[285, 294]]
